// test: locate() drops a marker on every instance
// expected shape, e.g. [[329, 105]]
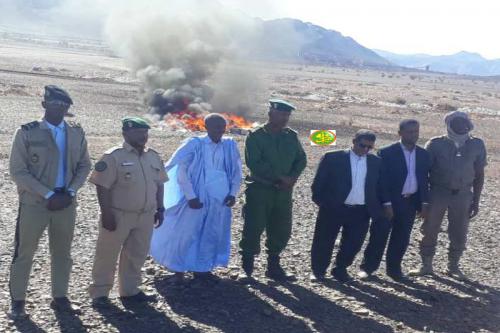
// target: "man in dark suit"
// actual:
[[346, 190], [405, 175]]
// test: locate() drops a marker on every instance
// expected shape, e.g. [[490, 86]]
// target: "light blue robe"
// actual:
[[197, 240]]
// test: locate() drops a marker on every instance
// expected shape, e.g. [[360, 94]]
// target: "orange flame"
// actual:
[[193, 121]]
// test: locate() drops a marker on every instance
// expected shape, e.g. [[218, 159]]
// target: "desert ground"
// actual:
[[334, 98]]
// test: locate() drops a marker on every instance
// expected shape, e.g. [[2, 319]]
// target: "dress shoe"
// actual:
[[341, 275], [63, 304]]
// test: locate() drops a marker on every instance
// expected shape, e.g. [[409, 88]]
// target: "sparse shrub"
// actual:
[[413, 77], [446, 107], [399, 101]]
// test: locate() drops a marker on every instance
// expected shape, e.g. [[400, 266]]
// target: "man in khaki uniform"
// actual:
[[129, 182], [49, 162], [458, 162]]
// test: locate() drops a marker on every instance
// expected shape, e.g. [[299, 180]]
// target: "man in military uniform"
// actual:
[[129, 181], [49, 162], [458, 162], [276, 159]]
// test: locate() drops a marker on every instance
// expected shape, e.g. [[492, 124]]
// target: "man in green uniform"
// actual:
[[276, 159], [49, 162], [129, 181], [458, 161]]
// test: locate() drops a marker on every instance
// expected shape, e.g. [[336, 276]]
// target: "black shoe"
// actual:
[[317, 278], [140, 297], [247, 264], [276, 272], [177, 279], [17, 310], [205, 276], [102, 302], [341, 275], [63, 304], [398, 276]]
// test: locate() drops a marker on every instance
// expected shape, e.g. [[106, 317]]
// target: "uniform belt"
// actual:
[[407, 196], [354, 206], [60, 190]]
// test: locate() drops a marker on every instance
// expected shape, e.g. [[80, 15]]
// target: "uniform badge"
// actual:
[[100, 166], [129, 124], [35, 158], [127, 163]]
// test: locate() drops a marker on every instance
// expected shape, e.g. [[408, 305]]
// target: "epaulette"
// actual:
[[74, 124], [289, 130], [154, 151], [437, 138], [29, 126], [256, 129], [112, 150]]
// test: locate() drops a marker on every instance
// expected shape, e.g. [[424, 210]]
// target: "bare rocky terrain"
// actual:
[[333, 98]]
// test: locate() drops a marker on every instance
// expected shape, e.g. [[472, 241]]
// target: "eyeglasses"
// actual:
[[363, 146]]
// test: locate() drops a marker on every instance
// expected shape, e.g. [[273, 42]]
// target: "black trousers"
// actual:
[[354, 222], [398, 231]]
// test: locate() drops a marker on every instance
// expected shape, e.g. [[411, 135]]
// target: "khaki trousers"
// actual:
[[458, 206], [130, 241], [31, 223]]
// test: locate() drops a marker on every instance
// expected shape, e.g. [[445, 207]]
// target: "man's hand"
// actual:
[[108, 221], [286, 183], [474, 209], [59, 201], [388, 212], [195, 203], [424, 212], [230, 201], [158, 219]]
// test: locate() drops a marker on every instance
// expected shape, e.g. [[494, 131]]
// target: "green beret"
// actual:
[[54, 93], [134, 122]]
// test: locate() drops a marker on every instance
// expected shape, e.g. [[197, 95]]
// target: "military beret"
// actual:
[[281, 105], [54, 93], [134, 122]]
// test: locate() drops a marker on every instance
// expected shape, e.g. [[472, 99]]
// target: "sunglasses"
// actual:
[[363, 146], [58, 103]]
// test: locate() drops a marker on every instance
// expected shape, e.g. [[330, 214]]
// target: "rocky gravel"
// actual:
[[430, 304]]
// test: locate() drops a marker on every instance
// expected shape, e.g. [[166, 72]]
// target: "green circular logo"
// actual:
[[323, 137]]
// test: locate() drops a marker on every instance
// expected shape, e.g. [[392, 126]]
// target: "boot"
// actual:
[[454, 269], [275, 271], [425, 268], [247, 265], [17, 310]]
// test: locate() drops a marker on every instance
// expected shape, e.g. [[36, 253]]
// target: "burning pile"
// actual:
[[192, 121], [183, 105]]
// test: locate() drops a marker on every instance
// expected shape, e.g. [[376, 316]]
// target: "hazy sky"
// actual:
[[401, 26]]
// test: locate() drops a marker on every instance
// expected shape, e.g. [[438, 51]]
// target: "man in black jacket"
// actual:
[[405, 175], [346, 189]]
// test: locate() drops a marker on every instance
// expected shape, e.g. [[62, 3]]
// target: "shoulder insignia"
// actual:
[[74, 124], [29, 126], [112, 150], [154, 151], [437, 138], [289, 130], [100, 166]]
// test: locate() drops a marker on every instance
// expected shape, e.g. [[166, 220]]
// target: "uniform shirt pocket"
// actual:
[[128, 175], [155, 172]]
